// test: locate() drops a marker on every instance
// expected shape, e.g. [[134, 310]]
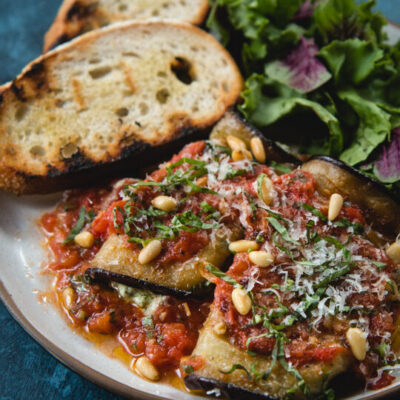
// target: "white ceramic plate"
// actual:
[[21, 258]]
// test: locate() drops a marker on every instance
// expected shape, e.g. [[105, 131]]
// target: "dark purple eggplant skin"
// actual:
[[228, 390], [105, 277], [357, 173]]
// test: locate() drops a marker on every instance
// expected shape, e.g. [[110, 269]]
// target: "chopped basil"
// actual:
[[281, 230], [233, 173], [80, 223], [148, 324], [188, 369], [280, 168], [380, 265], [219, 274], [235, 367]]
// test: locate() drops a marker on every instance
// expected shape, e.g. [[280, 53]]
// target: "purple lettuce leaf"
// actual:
[[305, 11], [387, 167], [301, 70]]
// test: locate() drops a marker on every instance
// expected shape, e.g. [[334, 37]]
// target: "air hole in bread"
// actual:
[[194, 48], [130, 54], [69, 150], [98, 73], [155, 13], [60, 103], [122, 7], [143, 108], [94, 60], [165, 5], [225, 86], [37, 151], [162, 96], [122, 112], [183, 70], [162, 74], [21, 112], [195, 109]]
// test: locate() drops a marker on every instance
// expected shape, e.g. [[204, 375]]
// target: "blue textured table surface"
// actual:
[[27, 370]]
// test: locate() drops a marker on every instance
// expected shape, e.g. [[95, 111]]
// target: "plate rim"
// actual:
[[102, 380]]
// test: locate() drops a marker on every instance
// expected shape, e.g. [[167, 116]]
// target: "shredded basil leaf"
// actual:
[[80, 223], [235, 367], [219, 274]]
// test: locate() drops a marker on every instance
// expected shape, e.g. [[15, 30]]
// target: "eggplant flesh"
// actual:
[[218, 354], [117, 261], [380, 209], [233, 124]]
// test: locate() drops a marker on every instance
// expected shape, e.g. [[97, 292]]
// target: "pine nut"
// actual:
[[393, 252], [68, 297], [84, 239], [145, 368], [150, 252], [261, 258], [357, 342], [241, 246], [235, 143], [257, 147], [164, 203], [202, 181], [242, 154], [335, 205], [241, 300], [267, 190], [187, 309], [220, 328]]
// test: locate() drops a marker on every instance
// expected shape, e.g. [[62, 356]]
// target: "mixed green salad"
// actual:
[[320, 76]]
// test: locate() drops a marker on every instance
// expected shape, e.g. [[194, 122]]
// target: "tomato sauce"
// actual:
[[170, 333], [100, 310]]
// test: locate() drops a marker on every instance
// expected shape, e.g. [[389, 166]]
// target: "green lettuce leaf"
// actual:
[[264, 110], [351, 61], [373, 129], [345, 19]]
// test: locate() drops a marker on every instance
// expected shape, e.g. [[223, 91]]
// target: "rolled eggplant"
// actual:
[[380, 208], [117, 260]]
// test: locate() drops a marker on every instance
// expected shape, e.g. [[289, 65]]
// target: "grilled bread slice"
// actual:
[[113, 97], [79, 16]]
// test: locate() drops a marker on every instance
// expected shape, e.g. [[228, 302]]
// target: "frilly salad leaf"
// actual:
[[351, 61], [343, 101], [301, 70], [374, 127], [387, 167], [306, 10], [345, 19], [264, 110]]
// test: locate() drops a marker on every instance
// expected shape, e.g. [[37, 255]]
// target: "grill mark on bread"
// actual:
[[128, 77], [77, 11], [76, 17], [53, 111], [78, 97], [18, 91]]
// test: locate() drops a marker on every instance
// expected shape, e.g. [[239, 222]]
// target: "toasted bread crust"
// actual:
[[35, 87], [76, 17]]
